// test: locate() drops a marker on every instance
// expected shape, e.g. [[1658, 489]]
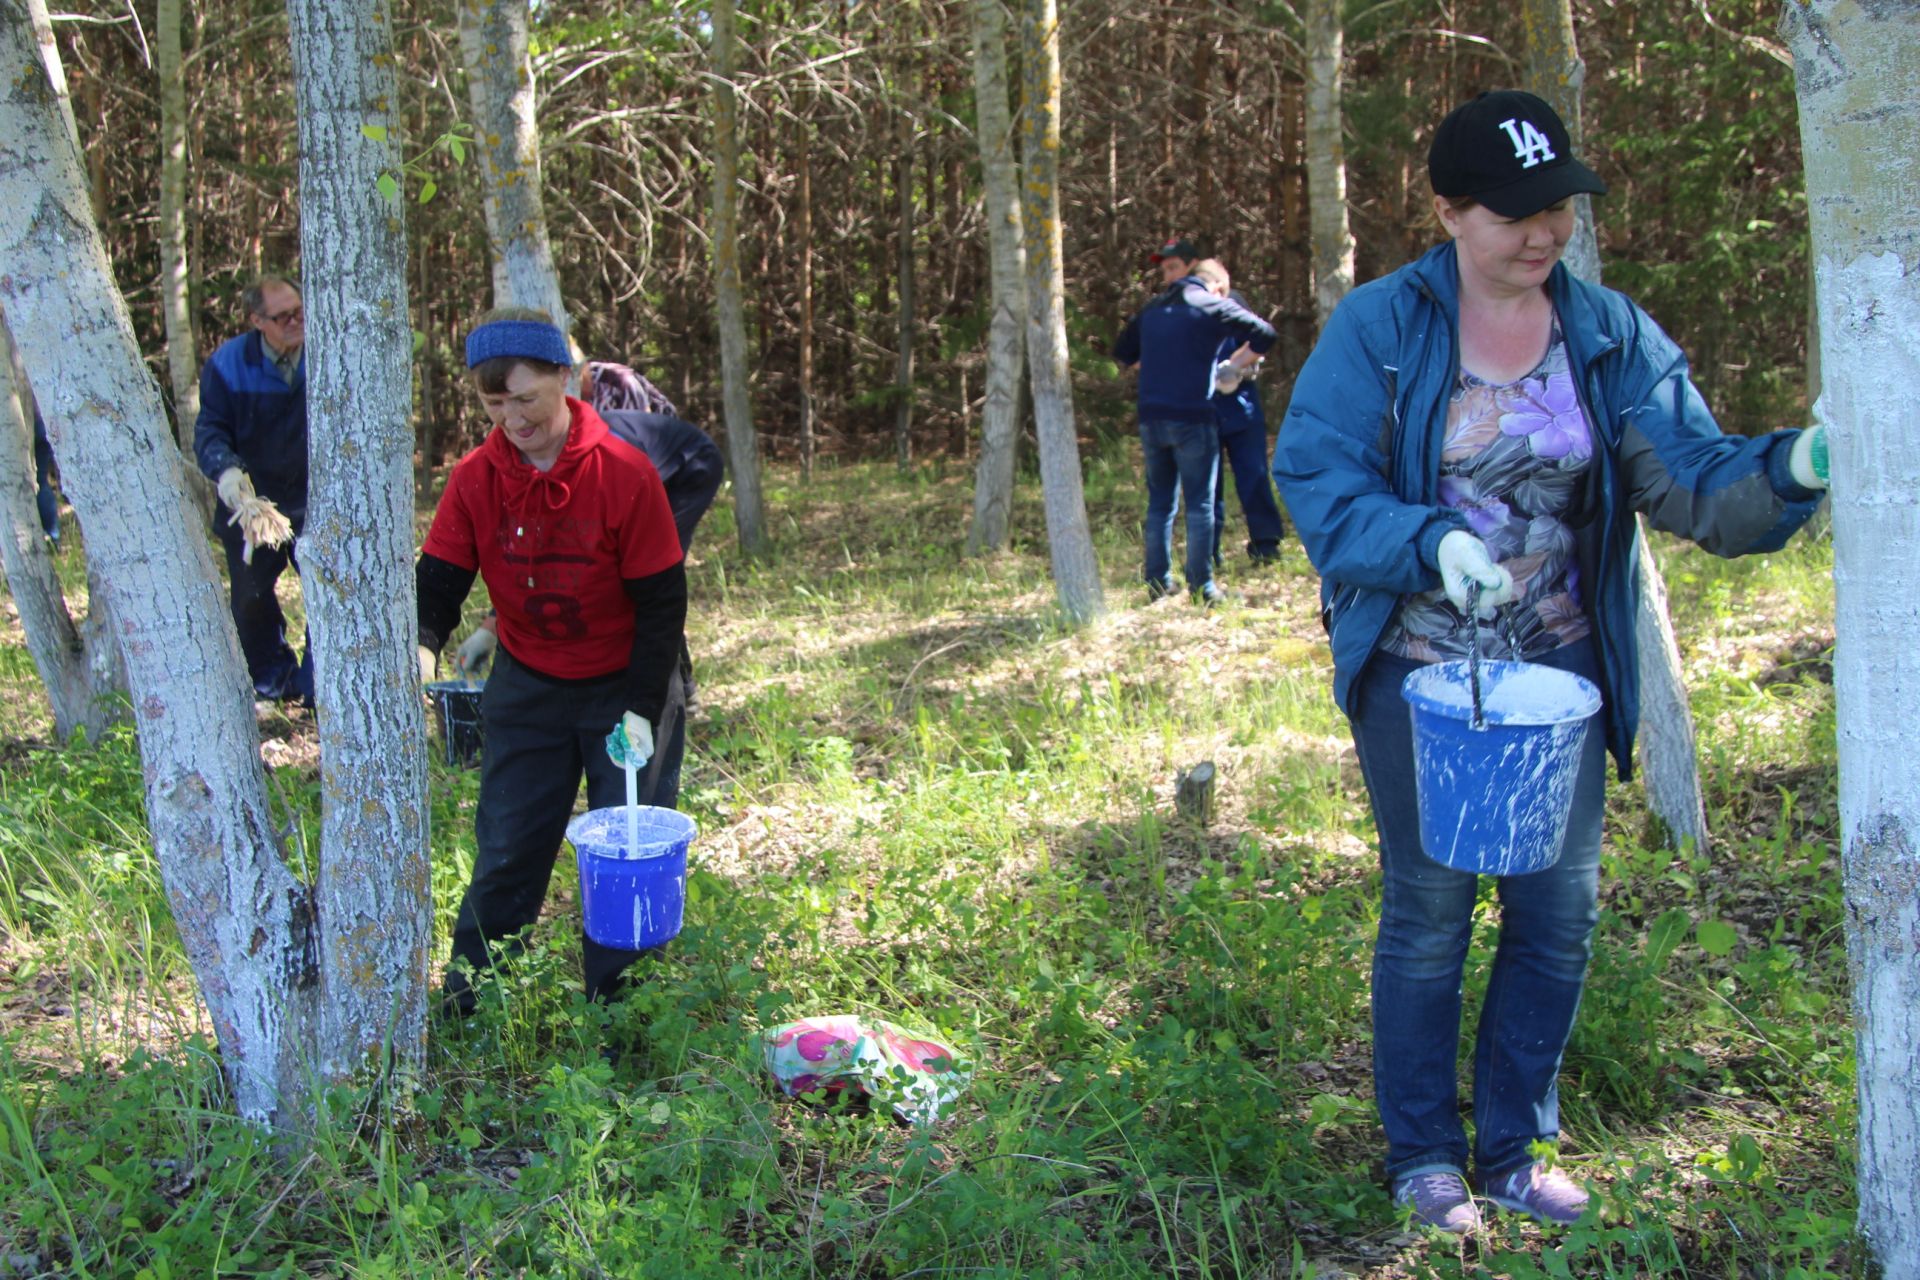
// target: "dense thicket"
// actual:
[[1178, 116]]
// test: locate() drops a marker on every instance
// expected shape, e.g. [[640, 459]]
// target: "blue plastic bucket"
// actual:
[[1494, 799], [634, 899]]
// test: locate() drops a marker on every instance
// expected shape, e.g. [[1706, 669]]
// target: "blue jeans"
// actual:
[[1246, 452], [1426, 920], [1186, 454]]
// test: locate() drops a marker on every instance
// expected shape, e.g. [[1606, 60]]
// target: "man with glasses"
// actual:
[[251, 440]]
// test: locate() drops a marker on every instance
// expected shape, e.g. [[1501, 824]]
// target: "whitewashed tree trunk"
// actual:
[[245, 922], [76, 663], [1076, 571], [356, 554], [1327, 224], [743, 444], [1857, 68], [494, 44], [1006, 256], [183, 356], [1669, 757]]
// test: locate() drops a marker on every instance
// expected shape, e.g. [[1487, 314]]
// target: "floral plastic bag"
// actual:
[[915, 1076]]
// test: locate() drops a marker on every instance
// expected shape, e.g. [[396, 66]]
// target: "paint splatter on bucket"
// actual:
[[634, 898], [1494, 798], [456, 709]]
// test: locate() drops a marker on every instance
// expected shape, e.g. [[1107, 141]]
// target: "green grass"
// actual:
[[924, 798]]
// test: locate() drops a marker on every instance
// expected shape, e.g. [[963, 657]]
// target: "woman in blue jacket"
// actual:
[[1481, 417]]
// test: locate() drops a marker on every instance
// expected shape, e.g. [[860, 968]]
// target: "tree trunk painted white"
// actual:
[[1327, 223], [373, 891], [494, 44], [1006, 257], [743, 444], [1669, 757], [183, 356], [245, 922], [76, 663], [1857, 69], [1076, 571], [50, 59]]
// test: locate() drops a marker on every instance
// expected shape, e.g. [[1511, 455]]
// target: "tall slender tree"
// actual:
[[1076, 571], [743, 443], [1331, 233], [1857, 70], [1669, 757], [1006, 337], [176, 307], [495, 44], [356, 553]]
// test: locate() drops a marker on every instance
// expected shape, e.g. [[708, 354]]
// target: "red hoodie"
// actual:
[[554, 546]]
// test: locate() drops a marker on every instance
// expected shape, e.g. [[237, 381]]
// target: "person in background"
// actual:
[[1174, 340], [251, 440], [1481, 419], [1175, 260], [45, 497], [1242, 421], [571, 530]]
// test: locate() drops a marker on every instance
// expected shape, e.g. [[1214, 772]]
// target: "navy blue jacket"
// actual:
[[250, 418], [1358, 464], [1174, 339], [689, 462], [1241, 410]]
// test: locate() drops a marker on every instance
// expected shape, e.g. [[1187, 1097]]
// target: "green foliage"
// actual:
[[921, 797]]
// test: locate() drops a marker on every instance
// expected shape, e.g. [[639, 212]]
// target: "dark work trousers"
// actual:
[[541, 735], [1244, 449], [276, 673]]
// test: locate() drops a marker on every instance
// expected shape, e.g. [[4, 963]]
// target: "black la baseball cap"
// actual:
[[1510, 151], [1175, 248]]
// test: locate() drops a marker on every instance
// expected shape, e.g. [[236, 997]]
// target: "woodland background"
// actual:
[[1179, 117]]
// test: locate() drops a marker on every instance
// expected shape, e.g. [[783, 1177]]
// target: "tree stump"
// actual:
[[1194, 793]]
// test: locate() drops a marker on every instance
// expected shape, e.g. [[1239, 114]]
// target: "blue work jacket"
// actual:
[[250, 418]]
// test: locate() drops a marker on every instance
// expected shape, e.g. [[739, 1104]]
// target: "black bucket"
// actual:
[[456, 709]]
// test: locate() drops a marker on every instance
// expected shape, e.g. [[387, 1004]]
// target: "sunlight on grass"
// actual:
[[921, 796]]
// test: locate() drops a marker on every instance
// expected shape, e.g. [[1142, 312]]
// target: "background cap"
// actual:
[[1510, 151], [1176, 248]]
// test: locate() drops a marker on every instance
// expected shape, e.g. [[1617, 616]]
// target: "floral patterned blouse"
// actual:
[[1514, 462]]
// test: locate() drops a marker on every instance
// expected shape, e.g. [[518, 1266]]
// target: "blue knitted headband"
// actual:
[[529, 339]]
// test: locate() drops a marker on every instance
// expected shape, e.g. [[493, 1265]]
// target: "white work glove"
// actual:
[[428, 665], [1464, 560], [1227, 377], [260, 522], [639, 736], [1808, 461], [471, 658]]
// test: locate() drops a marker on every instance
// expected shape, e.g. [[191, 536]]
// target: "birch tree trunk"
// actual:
[[246, 924], [76, 662], [176, 312], [373, 891], [1326, 158], [1857, 69], [494, 44], [1076, 572], [1006, 256], [1669, 757], [743, 444]]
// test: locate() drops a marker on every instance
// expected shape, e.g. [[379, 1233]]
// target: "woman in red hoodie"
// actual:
[[570, 528]]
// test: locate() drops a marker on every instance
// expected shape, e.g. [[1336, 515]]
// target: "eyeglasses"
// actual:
[[292, 315]]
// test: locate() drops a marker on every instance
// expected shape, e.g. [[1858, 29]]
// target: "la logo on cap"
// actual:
[[1530, 146]]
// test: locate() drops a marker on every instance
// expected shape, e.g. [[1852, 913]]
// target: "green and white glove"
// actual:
[[1464, 559], [630, 745], [1808, 461]]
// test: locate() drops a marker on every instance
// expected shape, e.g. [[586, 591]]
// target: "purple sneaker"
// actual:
[[1546, 1195], [1439, 1198]]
